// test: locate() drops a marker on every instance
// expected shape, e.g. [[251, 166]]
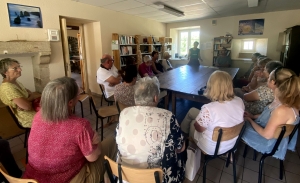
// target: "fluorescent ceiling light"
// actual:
[[252, 3], [170, 10]]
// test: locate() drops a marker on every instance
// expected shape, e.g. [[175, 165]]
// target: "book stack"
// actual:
[[126, 39]]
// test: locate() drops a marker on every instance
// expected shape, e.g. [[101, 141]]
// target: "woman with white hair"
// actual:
[[63, 147], [224, 110], [150, 137], [145, 68], [166, 61]]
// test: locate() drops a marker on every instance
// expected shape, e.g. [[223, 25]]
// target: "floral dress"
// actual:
[[148, 137], [266, 96]]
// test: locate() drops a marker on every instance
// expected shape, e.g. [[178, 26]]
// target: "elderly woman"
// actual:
[[166, 61], [124, 92], [14, 94], [224, 110], [145, 68], [256, 100], [284, 109], [63, 147], [150, 137]]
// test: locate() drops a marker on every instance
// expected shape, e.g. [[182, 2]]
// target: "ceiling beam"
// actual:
[[252, 3]]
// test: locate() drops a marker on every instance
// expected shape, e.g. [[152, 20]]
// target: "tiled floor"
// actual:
[[247, 169]]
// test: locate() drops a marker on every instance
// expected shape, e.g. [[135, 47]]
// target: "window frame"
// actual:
[[189, 42], [248, 50]]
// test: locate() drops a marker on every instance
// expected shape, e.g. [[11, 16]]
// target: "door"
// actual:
[[65, 46]]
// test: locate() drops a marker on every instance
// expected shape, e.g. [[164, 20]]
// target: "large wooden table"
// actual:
[[185, 82]]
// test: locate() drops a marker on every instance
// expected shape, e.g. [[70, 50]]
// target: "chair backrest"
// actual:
[[227, 133], [102, 88], [132, 175], [12, 113], [120, 106], [16, 180]]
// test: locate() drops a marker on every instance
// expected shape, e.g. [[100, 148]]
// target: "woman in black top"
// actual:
[[194, 55]]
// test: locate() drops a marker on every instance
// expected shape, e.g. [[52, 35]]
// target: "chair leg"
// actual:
[[233, 166], [261, 164], [101, 99], [245, 151], [96, 123], [91, 107], [281, 170], [101, 129], [81, 109], [254, 154], [204, 172]]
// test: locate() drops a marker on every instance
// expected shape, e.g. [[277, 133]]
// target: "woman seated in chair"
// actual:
[[150, 137], [14, 94], [63, 147], [284, 109], [224, 110], [124, 92]]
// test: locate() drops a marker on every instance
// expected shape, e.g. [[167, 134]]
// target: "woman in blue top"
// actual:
[[283, 110], [194, 55]]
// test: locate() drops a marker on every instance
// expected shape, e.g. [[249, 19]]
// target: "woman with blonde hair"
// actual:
[[166, 61], [225, 110], [284, 109]]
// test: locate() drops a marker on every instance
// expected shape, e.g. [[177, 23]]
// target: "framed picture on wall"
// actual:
[[24, 16], [251, 27]]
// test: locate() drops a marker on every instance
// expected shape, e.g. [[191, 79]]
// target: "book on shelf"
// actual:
[[126, 50], [126, 39]]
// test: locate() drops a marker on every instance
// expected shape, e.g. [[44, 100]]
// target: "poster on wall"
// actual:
[[24, 16], [251, 27]]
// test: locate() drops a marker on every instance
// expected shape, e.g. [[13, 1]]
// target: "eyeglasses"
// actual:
[[16, 68]]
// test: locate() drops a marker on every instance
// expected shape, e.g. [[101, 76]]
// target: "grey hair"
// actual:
[[145, 90], [103, 60], [55, 99], [4, 65], [147, 58]]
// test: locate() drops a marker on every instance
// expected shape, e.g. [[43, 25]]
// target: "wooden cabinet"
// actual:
[[290, 56], [219, 44]]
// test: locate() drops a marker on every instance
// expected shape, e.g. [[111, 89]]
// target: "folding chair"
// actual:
[[15, 180], [132, 175], [281, 132], [223, 134]]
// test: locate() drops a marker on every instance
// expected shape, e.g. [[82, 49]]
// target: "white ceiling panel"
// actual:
[[124, 5], [139, 10], [193, 9]]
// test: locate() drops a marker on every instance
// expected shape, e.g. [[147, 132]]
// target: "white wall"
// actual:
[[111, 22], [275, 22]]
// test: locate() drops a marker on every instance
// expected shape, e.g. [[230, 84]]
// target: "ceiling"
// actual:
[[193, 9]]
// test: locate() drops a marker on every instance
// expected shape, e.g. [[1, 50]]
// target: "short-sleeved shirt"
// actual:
[[223, 61], [103, 74], [125, 94], [57, 150], [9, 92], [148, 137], [266, 96], [223, 114], [144, 69]]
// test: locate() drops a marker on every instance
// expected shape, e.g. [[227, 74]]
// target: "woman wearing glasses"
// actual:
[[14, 94], [284, 109]]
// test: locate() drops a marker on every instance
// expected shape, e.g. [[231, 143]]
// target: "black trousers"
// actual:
[[8, 161]]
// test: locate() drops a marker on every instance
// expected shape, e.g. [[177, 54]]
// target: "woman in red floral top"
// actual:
[[63, 147]]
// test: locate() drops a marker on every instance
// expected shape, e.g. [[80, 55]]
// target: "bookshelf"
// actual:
[[132, 49], [219, 44]]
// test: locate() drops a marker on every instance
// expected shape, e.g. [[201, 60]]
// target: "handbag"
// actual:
[[193, 161]]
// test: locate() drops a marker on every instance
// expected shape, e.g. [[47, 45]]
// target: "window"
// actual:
[[248, 45], [187, 39]]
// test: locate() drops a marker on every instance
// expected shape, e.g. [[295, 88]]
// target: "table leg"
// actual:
[[167, 101], [174, 103]]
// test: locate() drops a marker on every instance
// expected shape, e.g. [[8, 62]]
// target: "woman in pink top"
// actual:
[[63, 147]]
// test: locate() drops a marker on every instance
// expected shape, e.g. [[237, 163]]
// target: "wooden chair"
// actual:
[[132, 175], [120, 106], [81, 98], [109, 102], [223, 134], [103, 112], [281, 132], [15, 180]]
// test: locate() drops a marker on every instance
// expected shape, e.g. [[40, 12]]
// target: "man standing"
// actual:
[[107, 74]]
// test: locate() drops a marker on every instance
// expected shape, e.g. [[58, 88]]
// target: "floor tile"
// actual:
[[271, 180], [217, 163], [212, 173], [273, 172], [252, 165], [15, 141], [292, 178], [250, 176], [239, 170], [194, 181], [227, 178], [200, 180], [291, 167]]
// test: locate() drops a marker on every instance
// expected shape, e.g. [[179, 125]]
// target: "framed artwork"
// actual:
[[251, 27], [24, 16]]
